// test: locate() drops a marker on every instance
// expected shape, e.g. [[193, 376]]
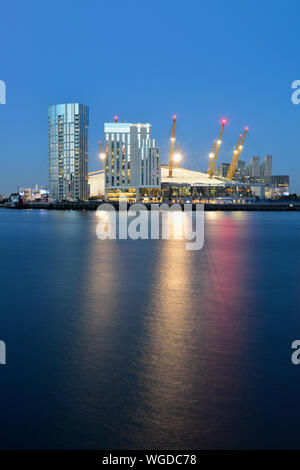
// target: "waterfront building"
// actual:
[[25, 193], [181, 176], [254, 167], [125, 163], [222, 170], [241, 171], [262, 183], [258, 190], [96, 184], [68, 151], [280, 185], [40, 193], [132, 167], [266, 167]]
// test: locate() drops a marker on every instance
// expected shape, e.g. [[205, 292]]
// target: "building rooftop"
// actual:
[[182, 175]]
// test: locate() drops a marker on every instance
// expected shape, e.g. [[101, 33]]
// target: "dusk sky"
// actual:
[[145, 61]]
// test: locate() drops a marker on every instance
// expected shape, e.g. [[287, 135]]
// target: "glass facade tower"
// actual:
[[68, 151]]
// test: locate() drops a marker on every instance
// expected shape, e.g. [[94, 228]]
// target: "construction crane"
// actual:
[[102, 154], [236, 155], [171, 159], [213, 156]]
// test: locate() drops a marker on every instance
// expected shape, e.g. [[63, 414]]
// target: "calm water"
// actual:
[[142, 344]]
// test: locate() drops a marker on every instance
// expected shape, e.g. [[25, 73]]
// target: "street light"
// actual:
[[103, 157]]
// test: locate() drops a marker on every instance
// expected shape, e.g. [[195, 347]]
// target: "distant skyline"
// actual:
[[145, 62]]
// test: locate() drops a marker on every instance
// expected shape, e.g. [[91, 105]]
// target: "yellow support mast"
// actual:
[[213, 156], [235, 150], [171, 159], [236, 155], [178, 156]]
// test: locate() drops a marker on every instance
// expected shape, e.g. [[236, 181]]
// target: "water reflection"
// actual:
[[165, 361], [145, 344]]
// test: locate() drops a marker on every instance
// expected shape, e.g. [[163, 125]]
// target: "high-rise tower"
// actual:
[[68, 151]]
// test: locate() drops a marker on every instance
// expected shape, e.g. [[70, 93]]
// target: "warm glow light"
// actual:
[[102, 156], [104, 215], [211, 155], [177, 157], [224, 121], [219, 142], [174, 117]]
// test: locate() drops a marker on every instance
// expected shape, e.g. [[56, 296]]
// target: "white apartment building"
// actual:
[[132, 165]]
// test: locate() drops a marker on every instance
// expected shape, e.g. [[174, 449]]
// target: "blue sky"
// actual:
[[145, 61]]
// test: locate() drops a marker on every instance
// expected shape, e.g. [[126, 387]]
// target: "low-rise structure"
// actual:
[[25, 193], [260, 177]]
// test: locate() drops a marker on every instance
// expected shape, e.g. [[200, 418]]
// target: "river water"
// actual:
[[124, 344]]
